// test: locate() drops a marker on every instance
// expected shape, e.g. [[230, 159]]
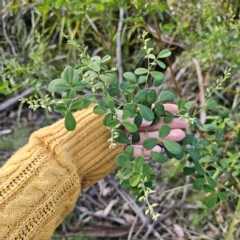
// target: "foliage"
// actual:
[[206, 160]]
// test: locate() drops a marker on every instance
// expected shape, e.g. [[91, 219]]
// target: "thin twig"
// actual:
[[6, 36], [15, 99], [119, 46]]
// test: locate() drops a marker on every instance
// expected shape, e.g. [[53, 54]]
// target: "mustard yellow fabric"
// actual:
[[41, 182]]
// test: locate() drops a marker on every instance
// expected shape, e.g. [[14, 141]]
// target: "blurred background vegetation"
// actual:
[[204, 37]]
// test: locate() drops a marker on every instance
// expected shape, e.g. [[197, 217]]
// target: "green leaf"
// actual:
[[136, 137], [60, 109], [157, 75], [78, 86], [105, 58], [131, 108], [135, 180], [130, 76], [161, 64], [141, 95], [126, 115], [219, 134], [77, 105], [146, 169], [137, 168], [107, 119], [172, 146], [211, 201], [158, 157], [164, 131], [125, 184], [140, 71], [58, 85], [166, 96], [111, 104], [138, 120], [198, 183], [150, 143], [157, 82], [142, 79], [152, 96], [188, 105], [194, 154], [181, 103], [108, 77], [114, 123], [99, 110], [199, 169], [129, 151], [211, 104], [70, 75], [70, 122], [223, 197], [120, 136], [224, 163], [123, 161], [131, 127], [159, 109], [208, 188], [113, 92], [211, 181], [168, 119], [94, 66], [188, 171], [151, 56], [146, 112], [164, 53], [127, 174], [139, 160]]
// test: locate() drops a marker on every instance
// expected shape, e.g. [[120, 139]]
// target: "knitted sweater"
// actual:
[[41, 182]]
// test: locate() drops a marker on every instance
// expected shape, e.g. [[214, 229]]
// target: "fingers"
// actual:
[[174, 124], [139, 150], [174, 135]]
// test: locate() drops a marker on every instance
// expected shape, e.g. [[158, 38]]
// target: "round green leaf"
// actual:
[[158, 157], [157, 75], [70, 122], [141, 95], [223, 197], [130, 76], [166, 96], [131, 127], [146, 169], [60, 109], [142, 79], [114, 123], [188, 171], [126, 115], [105, 58], [120, 136], [58, 85], [198, 183], [161, 64], [138, 120], [150, 143], [77, 105], [99, 110], [135, 180], [172, 146], [123, 161], [211, 201], [146, 112], [164, 131], [164, 53], [152, 96], [140, 71], [208, 188]]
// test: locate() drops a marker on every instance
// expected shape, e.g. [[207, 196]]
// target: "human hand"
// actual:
[[146, 131]]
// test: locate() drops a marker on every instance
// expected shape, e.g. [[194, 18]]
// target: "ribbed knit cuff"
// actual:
[[86, 146]]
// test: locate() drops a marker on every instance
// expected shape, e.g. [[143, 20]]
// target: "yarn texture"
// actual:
[[40, 183]]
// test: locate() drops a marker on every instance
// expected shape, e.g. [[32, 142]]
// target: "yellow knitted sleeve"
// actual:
[[41, 182]]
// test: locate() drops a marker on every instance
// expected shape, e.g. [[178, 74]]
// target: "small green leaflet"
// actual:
[[157, 75], [105, 58], [223, 197], [131, 127], [152, 96], [77, 105], [158, 157], [70, 122], [70, 75], [198, 183], [211, 201], [164, 53], [99, 110], [150, 143], [146, 112], [113, 123], [135, 180], [130, 76], [123, 161], [140, 71], [172, 146], [166, 96], [126, 115], [120, 136], [58, 85], [161, 64], [164, 131], [141, 95]]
